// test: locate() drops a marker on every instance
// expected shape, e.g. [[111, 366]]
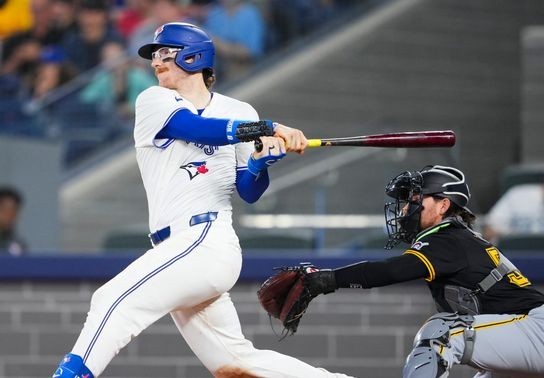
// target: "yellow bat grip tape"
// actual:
[[314, 142]]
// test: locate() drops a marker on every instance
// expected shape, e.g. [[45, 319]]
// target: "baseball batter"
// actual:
[[490, 318], [193, 152]]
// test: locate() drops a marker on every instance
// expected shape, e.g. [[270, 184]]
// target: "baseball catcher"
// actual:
[[489, 315]]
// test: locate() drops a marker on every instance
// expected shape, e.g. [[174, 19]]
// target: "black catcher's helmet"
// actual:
[[408, 188]]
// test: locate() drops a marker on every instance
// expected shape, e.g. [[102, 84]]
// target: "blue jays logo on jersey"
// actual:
[[195, 168]]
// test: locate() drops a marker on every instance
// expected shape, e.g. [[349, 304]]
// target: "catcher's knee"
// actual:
[[425, 360], [72, 366]]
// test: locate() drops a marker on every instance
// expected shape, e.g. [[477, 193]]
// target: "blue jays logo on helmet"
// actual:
[[197, 50], [158, 31]]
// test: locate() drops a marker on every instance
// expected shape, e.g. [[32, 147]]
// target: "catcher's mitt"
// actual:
[[287, 294]]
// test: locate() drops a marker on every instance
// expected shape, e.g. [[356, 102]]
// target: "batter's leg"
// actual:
[[177, 272], [213, 332]]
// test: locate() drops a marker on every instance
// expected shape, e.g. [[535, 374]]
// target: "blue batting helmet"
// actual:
[[193, 41]]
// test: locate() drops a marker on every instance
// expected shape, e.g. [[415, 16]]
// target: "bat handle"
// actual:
[[311, 143], [314, 142]]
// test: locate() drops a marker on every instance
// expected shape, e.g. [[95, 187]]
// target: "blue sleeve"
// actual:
[[251, 187], [193, 128]]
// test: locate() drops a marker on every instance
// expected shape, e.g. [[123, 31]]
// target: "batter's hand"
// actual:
[[273, 150], [272, 146], [295, 141]]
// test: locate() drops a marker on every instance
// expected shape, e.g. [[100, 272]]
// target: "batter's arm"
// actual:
[[252, 182], [185, 125], [251, 187]]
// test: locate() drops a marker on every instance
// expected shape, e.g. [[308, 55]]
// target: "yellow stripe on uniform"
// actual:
[[492, 324], [425, 260]]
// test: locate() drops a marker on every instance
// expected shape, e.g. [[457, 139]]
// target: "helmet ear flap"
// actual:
[[193, 59]]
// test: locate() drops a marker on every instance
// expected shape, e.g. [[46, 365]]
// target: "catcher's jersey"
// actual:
[[181, 178], [454, 255]]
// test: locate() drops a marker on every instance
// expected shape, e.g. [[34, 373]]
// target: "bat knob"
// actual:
[[258, 145]]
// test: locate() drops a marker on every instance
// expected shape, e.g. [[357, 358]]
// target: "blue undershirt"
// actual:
[[190, 127]]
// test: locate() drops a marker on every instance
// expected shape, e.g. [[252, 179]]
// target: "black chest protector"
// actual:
[[466, 301]]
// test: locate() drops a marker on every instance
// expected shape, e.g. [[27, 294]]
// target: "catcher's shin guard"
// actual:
[[425, 361], [72, 366]]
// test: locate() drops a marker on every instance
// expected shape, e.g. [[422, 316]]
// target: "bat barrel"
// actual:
[[399, 140], [413, 139]]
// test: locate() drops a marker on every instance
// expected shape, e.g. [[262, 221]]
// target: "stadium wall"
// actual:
[[44, 301]]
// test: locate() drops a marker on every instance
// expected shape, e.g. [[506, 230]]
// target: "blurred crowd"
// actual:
[[45, 43], [89, 49]]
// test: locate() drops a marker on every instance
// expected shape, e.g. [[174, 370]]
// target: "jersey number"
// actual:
[[515, 277]]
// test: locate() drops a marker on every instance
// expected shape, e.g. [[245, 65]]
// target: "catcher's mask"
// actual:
[[402, 215], [409, 188]]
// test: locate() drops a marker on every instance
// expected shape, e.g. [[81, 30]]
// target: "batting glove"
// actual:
[[256, 166]]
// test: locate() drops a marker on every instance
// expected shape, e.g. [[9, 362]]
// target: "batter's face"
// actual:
[[433, 211], [167, 71]]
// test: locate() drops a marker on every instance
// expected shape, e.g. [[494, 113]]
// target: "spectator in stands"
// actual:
[[21, 62], [520, 211], [297, 19], [10, 205], [52, 71], [132, 15], [238, 30], [64, 16], [15, 17], [42, 28], [118, 85], [95, 30], [21, 52]]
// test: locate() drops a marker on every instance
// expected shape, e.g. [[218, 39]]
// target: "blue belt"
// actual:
[[159, 236]]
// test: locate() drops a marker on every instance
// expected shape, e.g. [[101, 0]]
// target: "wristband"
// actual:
[[247, 131]]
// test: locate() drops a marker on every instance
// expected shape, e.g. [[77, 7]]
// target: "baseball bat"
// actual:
[[441, 138], [410, 139]]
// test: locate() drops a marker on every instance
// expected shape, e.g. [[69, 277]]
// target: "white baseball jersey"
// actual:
[[182, 179]]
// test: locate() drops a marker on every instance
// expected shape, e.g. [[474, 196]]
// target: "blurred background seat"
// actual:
[[521, 242], [277, 239], [132, 241], [519, 174]]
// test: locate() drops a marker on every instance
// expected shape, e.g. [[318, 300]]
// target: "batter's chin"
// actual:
[[165, 84]]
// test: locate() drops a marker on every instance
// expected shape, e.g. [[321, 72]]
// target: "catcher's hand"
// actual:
[[287, 294]]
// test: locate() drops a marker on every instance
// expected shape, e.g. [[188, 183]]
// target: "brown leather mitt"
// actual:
[[287, 294]]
